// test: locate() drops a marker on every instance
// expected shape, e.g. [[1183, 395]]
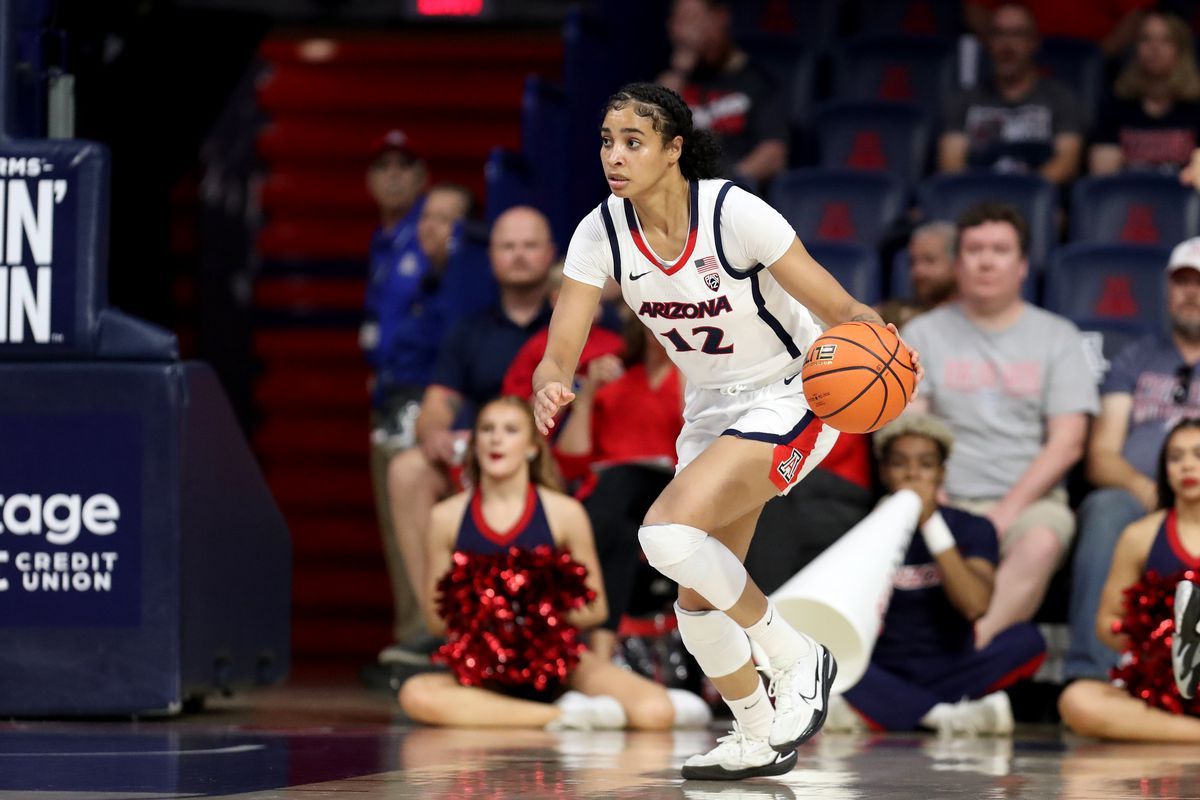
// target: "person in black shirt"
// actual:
[[726, 91], [1152, 124]]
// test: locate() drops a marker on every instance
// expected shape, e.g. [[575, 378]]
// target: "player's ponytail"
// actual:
[[671, 117]]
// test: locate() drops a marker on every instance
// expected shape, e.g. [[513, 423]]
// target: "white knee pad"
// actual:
[[719, 644], [692, 558]]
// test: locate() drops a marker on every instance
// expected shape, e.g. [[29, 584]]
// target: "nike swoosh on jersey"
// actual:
[[788, 381], [640, 275]]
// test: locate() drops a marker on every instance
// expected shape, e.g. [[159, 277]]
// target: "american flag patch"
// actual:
[[708, 269]]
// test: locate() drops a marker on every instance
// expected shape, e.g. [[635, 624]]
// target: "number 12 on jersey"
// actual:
[[711, 344]]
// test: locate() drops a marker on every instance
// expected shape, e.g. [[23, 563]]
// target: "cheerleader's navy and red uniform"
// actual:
[[530, 530], [1167, 554], [926, 651]]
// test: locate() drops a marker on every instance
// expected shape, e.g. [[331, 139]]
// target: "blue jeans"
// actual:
[[1102, 516]]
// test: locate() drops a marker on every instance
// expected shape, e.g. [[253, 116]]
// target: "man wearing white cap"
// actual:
[[1152, 385]]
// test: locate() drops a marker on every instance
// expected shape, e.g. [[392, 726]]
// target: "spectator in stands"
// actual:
[[469, 370], [1013, 382], [1167, 542], [518, 380], [1151, 385], [1152, 124], [925, 660], [726, 91], [1111, 24], [1022, 122], [509, 466], [931, 271], [619, 439], [396, 180], [416, 297]]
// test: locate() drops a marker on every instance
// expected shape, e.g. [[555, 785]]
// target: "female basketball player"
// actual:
[[514, 504], [1168, 542], [731, 302]]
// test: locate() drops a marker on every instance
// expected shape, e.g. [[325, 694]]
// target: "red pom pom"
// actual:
[[1149, 622], [506, 617]]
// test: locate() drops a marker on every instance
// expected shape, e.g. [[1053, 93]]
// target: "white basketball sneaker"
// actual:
[[580, 712], [801, 694], [1186, 640], [988, 716], [738, 756]]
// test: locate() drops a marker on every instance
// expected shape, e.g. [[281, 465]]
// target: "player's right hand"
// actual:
[[547, 402]]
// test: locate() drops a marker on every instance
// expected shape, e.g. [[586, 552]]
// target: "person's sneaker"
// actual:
[[988, 716], [801, 694], [842, 718], [738, 756], [579, 712], [1186, 639], [414, 652], [690, 709]]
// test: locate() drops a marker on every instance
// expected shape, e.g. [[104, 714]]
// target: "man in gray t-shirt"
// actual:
[[1020, 121], [1013, 382], [1152, 384]]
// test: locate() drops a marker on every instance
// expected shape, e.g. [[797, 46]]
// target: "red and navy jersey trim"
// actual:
[[635, 231], [1171, 523], [760, 303], [611, 229]]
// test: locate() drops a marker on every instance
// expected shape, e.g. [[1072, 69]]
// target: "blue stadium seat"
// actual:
[[873, 135], [544, 120], [1134, 208], [838, 205], [905, 69], [1108, 283], [808, 23], [948, 196], [855, 267], [910, 17], [1105, 338], [792, 68], [1078, 63]]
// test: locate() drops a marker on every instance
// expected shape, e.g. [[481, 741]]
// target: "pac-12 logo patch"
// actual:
[[823, 353], [710, 270], [788, 467]]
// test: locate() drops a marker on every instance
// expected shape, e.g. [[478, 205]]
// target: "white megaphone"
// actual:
[[840, 598]]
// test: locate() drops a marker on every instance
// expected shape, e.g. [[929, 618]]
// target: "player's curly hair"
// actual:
[[671, 117]]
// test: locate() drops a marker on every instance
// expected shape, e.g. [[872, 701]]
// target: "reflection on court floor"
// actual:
[[321, 745]]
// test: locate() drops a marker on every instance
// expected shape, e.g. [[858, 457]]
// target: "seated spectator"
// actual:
[[620, 439], [1022, 122], [510, 467], [1013, 383], [931, 271], [1167, 542], [1111, 24], [518, 380], [469, 370], [395, 179], [1152, 123], [925, 661], [726, 91], [1151, 385]]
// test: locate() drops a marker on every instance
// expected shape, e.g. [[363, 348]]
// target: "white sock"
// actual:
[[754, 713], [782, 643]]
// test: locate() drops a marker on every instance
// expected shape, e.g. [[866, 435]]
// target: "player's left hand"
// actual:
[[916, 362]]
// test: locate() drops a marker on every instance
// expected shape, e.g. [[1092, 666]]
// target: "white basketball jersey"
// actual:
[[722, 324]]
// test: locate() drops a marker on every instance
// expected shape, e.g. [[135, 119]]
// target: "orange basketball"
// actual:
[[858, 377]]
